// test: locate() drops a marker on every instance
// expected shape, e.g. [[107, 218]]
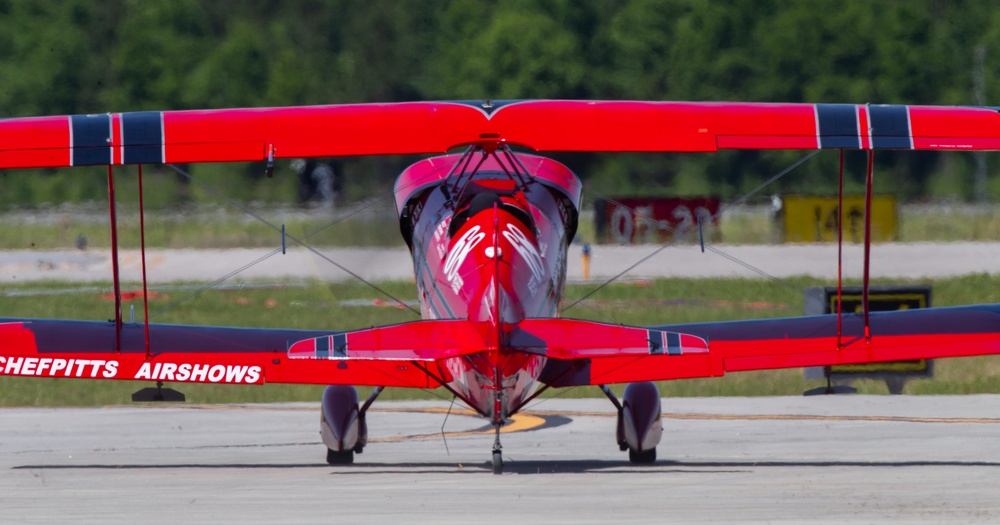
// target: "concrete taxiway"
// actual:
[[909, 260], [787, 459]]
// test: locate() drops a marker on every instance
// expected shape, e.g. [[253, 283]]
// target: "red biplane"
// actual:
[[488, 227]]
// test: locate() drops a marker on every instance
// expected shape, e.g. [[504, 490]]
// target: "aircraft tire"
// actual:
[[497, 463], [642, 458], [344, 457]]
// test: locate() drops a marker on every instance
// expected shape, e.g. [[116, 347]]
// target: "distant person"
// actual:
[[317, 182]]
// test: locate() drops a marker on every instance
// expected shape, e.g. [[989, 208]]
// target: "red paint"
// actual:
[[116, 139], [489, 235], [863, 131], [226, 135]]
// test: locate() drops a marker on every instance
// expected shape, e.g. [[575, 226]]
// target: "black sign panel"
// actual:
[[823, 300]]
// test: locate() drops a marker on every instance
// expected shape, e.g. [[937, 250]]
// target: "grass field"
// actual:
[[348, 306]]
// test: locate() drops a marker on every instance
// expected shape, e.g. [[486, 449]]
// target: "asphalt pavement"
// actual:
[[848, 459]]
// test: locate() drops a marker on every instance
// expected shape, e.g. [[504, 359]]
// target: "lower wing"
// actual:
[[796, 342], [399, 355], [411, 354]]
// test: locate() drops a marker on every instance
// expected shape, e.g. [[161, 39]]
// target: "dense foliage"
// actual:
[[84, 56]]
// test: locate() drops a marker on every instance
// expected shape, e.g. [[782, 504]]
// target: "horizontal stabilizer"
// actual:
[[416, 341], [573, 339]]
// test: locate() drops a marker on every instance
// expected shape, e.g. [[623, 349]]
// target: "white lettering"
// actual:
[[216, 373], [143, 372], [80, 365], [527, 250], [234, 374], [14, 366], [457, 255], [95, 365], [199, 373], [108, 369]]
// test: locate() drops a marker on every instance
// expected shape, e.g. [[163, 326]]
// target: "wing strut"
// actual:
[[142, 251], [840, 253], [114, 260], [868, 242]]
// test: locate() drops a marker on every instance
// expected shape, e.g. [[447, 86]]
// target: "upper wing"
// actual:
[[249, 134], [797, 342], [403, 355]]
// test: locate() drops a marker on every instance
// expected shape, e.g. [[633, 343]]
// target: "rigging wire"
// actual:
[[300, 241], [202, 288], [689, 229], [443, 423]]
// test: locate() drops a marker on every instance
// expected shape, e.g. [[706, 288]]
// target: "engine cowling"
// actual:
[[342, 425], [639, 425]]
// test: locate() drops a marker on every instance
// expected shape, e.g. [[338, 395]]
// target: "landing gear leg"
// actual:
[[497, 448], [620, 428], [497, 454]]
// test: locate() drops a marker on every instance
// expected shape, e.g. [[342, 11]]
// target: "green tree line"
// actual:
[[88, 56]]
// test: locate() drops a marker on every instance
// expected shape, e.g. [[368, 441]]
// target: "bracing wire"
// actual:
[[679, 234], [297, 240], [443, 423]]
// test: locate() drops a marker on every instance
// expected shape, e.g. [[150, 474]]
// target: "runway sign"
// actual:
[[813, 218], [636, 220]]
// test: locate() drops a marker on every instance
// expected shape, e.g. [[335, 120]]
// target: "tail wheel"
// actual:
[[343, 457], [642, 458]]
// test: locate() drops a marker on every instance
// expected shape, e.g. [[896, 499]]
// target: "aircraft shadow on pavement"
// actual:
[[527, 467]]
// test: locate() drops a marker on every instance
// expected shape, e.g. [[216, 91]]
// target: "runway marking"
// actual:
[[518, 423]]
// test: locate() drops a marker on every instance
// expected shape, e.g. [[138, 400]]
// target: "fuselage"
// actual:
[[488, 234]]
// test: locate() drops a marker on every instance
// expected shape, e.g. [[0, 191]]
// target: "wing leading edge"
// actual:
[[250, 134]]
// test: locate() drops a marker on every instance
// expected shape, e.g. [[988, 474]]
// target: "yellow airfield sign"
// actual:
[[813, 218]]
